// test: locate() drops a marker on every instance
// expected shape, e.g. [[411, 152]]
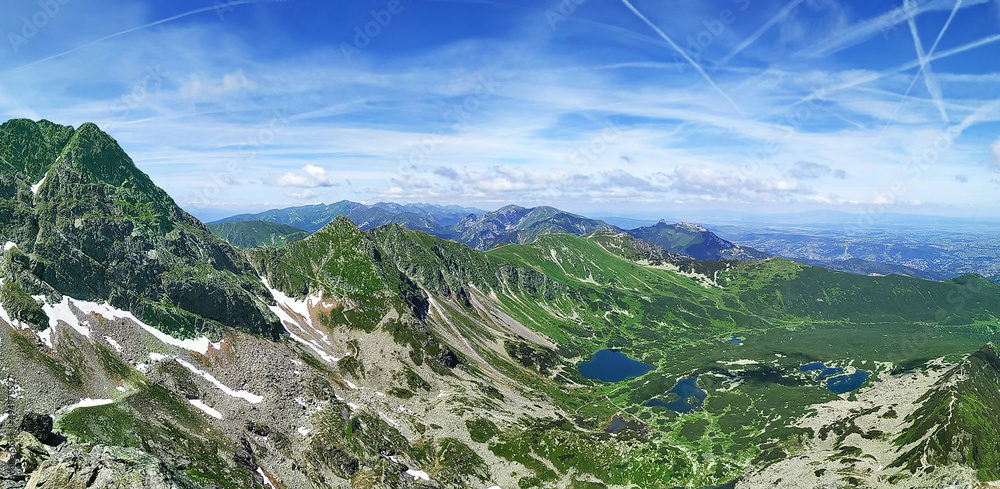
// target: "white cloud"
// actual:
[[305, 194], [315, 177]]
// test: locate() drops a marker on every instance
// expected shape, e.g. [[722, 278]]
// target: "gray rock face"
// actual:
[[106, 468], [38, 425], [11, 476]]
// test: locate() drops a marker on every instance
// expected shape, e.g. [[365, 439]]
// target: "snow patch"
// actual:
[[267, 480], [388, 419], [4, 416], [350, 384], [35, 187], [245, 395], [9, 245], [156, 357], [63, 312], [111, 341], [418, 474], [296, 314], [739, 362], [205, 408], [88, 402], [46, 337], [303, 431]]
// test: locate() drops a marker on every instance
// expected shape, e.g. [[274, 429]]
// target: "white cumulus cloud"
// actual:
[[314, 177]]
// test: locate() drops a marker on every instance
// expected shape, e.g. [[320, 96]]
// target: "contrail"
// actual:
[[685, 55], [947, 23], [932, 87], [760, 32], [233, 3], [875, 25], [901, 68]]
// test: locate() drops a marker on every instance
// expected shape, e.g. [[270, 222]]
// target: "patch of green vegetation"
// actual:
[[21, 306], [256, 234], [482, 430]]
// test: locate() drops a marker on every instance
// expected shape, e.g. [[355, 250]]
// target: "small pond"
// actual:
[[688, 397], [612, 366]]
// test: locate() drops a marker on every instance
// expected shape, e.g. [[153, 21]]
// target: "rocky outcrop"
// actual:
[[100, 467], [37, 425]]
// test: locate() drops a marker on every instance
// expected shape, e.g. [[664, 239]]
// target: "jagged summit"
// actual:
[[94, 227]]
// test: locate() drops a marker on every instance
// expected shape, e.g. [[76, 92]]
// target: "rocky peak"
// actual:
[[29, 148]]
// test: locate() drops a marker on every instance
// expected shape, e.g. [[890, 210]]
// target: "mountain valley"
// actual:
[[417, 347]]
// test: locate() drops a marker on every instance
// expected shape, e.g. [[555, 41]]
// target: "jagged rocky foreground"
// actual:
[[139, 350]]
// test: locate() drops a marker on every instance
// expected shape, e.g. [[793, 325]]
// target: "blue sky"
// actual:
[[632, 107]]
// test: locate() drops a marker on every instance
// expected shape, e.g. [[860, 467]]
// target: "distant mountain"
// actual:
[[515, 224], [858, 266], [254, 234], [694, 240], [425, 217]]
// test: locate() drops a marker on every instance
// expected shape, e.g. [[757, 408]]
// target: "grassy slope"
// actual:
[[254, 234]]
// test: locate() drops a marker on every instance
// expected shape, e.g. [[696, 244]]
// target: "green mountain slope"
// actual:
[[98, 229], [956, 422], [254, 234]]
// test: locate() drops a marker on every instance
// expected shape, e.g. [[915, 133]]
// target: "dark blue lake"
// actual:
[[612, 366], [835, 381], [689, 396], [847, 383], [824, 371], [735, 340]]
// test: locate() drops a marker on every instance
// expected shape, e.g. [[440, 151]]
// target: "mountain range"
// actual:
[[482, 230], [140, 350]]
